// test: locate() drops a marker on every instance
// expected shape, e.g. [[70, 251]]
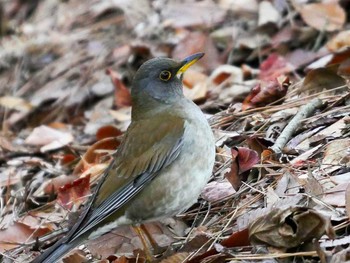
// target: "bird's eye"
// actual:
[[165, 75]]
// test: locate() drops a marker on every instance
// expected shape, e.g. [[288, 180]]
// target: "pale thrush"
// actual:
[[164, 161]]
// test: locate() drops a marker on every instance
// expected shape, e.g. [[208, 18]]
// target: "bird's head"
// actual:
[[159, 81]]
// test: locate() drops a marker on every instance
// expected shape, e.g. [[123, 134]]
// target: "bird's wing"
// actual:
[[149, 145]]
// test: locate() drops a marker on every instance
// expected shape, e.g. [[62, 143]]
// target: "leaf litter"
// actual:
[[274, 84]]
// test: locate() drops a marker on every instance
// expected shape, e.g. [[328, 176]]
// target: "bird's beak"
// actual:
[[189, 61]]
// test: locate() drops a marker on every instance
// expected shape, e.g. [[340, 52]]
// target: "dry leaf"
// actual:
[[122, 94], [176, 258], [107, 131], [195, 42], [19, 233], [75, 193], [15, 103], [347, 200], [180, 14], [268, 13], [48, 138], [339, 41], [95, 154], [336, 155], [273, 67], [324, 16], [289, 228], [243, 159], [215, 191], [322, 78], [265, 93], [224, 72]]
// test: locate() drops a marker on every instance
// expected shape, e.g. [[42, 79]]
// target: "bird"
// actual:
[[164, 161]]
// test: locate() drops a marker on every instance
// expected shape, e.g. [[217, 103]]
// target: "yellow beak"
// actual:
[[189, 61]]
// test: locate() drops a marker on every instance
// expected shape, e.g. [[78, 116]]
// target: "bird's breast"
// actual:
[[178, 185]]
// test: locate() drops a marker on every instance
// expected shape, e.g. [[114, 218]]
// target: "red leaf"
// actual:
[[74, 193], [247, 158], [122, 94], [274, 66], [233, 175], [107, 131], [237, 239], [266, 93], [243, 159]]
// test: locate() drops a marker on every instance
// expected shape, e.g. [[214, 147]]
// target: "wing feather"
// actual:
[[149, 146]]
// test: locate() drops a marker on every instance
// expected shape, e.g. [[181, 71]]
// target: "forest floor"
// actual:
[[274, 84]]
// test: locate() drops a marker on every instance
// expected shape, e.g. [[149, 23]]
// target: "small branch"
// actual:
[[304, 112]]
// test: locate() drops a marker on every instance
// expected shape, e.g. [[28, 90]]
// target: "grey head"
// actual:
[[157, 82]]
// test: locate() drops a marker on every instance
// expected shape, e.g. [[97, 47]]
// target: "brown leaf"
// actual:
[[322, 78], [347, 200], [233, 175], [323, 16], [76, 256], [178, 257], [223, 72], [19, 233], [339, 41], [122, 94], [195, 42], [344, 69], [237, 239], [289, 228], [336, 155], [95, 153]]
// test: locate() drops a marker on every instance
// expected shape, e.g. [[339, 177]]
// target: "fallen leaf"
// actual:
[[54, 184], [194, 42], [243, 159], [237, 239], [215, 191], [274, 66], [336, 155], [322, 78], [323, 16], [122, 94], [19, 233], [265, 93], [224, 72], [180, 14], [176, 258], [344, 69], [288, 228], [75, 193], [15, 103], [339, 41], [268, 13], [95, 153], [347, 200], [107, 131], [48, 138]]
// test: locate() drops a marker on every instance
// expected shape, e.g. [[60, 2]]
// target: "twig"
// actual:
[[288, 131]]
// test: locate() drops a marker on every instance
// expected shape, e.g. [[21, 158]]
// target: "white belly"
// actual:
[[178, 186]]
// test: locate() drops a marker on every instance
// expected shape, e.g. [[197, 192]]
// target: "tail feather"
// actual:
[[56, 252]]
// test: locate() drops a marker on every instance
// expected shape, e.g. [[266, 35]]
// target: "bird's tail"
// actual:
[[56, 252]]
